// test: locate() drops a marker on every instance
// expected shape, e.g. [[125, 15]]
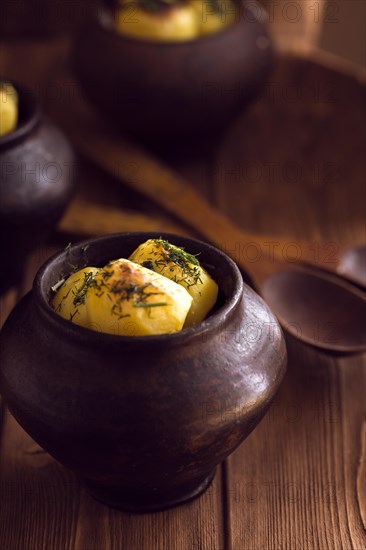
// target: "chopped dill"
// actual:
[[125, 291], [72, 315], [164, 254], [89, 281], [149, 265], [72, 266], [117, 288], [155, 304], [107, 274], [84, 250], [117, 310]]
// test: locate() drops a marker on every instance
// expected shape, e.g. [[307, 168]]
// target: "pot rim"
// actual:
[[211, 324], [104, 18], [29, 115]]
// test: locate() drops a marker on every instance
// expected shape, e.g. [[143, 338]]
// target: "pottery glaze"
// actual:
[[36, 184], [142, 421], [163, 91]]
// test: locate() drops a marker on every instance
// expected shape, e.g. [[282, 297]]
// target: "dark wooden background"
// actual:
[[298, 481]]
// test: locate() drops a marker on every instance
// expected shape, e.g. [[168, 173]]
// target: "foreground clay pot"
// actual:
[[142, 421], [161, 91], [36, 183]]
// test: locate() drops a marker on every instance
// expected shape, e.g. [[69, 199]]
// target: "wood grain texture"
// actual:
[[83, 218], [295, 162], [43, 507], [7, 302], [31, 513], [296, 25], [137, 170], [293, 482], [298, 481], [117, 530]]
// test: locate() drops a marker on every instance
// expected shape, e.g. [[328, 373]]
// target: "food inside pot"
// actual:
[[171, 20], [8, 108], [160, 289]]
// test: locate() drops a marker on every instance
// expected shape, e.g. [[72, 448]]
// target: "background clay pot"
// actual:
[[36, 182], [142, 421], [173, 89]]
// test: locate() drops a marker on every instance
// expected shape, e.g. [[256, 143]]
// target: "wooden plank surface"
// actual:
[[295, 482], [295, 162], [42, 506], [298, 482]]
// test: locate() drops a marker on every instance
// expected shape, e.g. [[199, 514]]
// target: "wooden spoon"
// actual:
[[353, 265], [317, 308], [89, 219]]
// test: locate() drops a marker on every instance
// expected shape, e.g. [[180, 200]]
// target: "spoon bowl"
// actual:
[[353, 265], [330, 314]]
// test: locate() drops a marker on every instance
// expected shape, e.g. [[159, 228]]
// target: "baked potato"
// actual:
[[173, 20], [122, 298], [184, 269], [8, 108]]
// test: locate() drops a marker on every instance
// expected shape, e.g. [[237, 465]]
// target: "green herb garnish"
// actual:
[[171, 254], [89, 282], [128, 291]]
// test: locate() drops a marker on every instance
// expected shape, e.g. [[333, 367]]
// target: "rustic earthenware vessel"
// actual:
[[36, 182], [142, 421], [171, 90]]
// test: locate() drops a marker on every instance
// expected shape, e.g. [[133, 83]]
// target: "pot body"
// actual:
[[142, 421], [164, 91], [36, 185]]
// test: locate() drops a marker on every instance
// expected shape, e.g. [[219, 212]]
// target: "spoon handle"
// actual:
[[90, 219], [133, 166]]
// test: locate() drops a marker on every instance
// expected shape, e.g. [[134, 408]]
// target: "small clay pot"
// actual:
[[142, 421], [36, 182], [171, 90]]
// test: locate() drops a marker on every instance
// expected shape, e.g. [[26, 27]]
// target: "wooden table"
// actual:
[[298, 481]]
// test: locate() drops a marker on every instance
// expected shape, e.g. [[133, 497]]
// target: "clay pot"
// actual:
[[172, 90], [36, 182], [142, 421]]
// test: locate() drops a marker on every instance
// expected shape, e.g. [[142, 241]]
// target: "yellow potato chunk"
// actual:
[[123, 298], [8, 108], [182, 268], [72, 295], [164, 23]]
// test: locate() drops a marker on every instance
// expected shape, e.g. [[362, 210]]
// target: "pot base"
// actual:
[[132, 503]]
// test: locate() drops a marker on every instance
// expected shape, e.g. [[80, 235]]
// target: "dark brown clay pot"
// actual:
[[36, 182], [142, 421], [172, 90]]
